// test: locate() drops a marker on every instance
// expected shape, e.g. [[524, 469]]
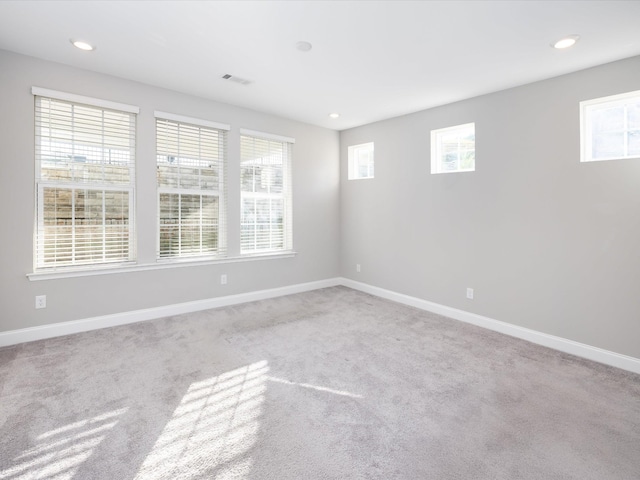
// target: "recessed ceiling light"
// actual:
[[566, 42], [304, 46], [334, 115], [82, 45]]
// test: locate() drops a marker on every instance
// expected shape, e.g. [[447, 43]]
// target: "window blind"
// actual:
[[191, 165], [266, 223], [85, 178]]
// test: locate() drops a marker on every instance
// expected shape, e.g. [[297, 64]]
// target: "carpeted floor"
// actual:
[[329, 384]]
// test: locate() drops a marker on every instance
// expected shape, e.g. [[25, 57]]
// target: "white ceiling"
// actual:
[[369, 61]]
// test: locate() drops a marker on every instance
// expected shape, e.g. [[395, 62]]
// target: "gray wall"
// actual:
[[547, 243], [315, 209]]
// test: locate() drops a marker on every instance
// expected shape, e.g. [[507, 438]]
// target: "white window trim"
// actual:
[[267, 136], [586, 139], [435, 149], [351, 163], [95, 102], [287, 197], [191, 120], [39, 185]]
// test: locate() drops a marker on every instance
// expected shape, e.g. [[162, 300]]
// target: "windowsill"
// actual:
[[159, 265], [469, 170], [609, 159]]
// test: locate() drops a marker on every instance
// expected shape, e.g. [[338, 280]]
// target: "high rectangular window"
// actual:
[[85, 180], [453, 149], [265, 175], [361, 161], [191, 167], [610, 127]]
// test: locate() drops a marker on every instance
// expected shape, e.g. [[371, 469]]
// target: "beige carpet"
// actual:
[[330, 384]]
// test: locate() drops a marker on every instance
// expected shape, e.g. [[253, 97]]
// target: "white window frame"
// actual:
[[41, 184], [587, 107], [354, 161], [220, 193], [436, 148], [286, 196]]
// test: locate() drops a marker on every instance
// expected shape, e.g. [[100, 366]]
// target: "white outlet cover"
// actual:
[[41, 301]]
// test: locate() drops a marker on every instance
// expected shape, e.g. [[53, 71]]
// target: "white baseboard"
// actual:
[[558, 343], [76, 326], [596, 354]]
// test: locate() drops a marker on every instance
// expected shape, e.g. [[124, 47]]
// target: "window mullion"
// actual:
[[104, 225], [73, 226], [625, 131], [200, 227], [180, 224]]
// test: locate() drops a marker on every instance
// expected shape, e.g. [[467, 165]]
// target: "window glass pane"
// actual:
[[467, 159], [169, 225], [247, 178], [607, 145], [633, 116], [634, 142], [209, 178], [188, 224], [608, 119]]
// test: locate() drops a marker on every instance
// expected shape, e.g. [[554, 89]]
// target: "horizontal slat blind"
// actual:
[[191, 163], [266, 224], [85, 176]]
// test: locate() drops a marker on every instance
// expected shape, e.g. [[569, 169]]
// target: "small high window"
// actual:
[[610, 127], [361, 161], [453, 149]]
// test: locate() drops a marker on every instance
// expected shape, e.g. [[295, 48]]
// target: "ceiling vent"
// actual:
[[233, 78]]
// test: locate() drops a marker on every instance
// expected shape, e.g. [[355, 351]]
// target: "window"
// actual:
[[610, 127], [191, 163], [265, 175], [85, 180], [453, 149], [361, 161]]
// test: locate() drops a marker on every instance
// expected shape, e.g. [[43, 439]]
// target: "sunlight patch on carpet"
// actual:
[[59, 452], [314, 387], [213, 429]]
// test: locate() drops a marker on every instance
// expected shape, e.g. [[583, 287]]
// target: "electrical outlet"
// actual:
[[223, 279], [470, 293], [41, 301], [358, 267]]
